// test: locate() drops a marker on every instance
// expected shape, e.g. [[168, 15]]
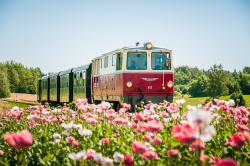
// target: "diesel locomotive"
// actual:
[[127, 75]]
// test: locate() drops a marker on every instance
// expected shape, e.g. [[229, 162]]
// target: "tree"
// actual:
[[246, 70], [236, 87], [197, 87], [4, 83], [217, 81], [244, 81]]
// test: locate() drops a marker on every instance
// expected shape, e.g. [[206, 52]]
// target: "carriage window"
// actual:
[[83, 78], [161, 61], [113, 60], [137, 61], [102, 65], [74, 75], [119, 61], [80, 74]]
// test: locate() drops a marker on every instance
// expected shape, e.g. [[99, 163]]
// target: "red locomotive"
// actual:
[[133, 74]]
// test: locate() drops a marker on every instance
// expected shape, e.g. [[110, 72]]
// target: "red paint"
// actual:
[[149, 83]]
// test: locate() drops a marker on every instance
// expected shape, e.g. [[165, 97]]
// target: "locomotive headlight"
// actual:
[[129, 84], [170, 84], [148, 46]]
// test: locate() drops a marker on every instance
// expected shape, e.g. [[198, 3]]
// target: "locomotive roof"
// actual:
[[81, 67], [54, 74], [140, 47], [65, 72]]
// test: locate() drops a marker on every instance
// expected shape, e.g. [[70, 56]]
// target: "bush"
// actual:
[[239, 96]]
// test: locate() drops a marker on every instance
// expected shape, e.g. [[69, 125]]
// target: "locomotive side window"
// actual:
[[161, 61], [119, 61], [98, 66], [113, 60], [137, 61], [106, 62]]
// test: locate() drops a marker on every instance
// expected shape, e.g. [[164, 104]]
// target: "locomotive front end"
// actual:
[[148, 74]]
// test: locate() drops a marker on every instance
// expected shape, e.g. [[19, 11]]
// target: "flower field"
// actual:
[[156, 134]]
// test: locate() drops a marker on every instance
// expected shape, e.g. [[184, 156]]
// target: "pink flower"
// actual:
[[241, 127], [157, 141], [138, 147], [204, 157], [242, 110], [32, 123], [116, 135], [172, 108], [79, 156], [237, 140], [174, 154], [224, 107], [185, 133], [105, 141], [118, 157], [138, 116], [75, 143], [126, 106], [23, 139], [128, 160], [150, 155], [247, 135], [1, 152], [197, 146], [90, 154], [244, 120], [70, 139], [148, 137], [163, 114], [226, 162], [153, 126], [91, 121]]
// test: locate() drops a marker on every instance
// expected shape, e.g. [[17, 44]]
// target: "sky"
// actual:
[[61, 34]]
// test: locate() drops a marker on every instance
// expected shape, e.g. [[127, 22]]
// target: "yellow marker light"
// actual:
[[129, 84], [149, 46], [170, 84]]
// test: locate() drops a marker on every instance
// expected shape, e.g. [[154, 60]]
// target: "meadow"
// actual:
[[158, 134]]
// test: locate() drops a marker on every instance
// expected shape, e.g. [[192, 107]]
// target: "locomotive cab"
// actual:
[[148, 75]]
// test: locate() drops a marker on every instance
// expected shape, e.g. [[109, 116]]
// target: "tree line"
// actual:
[[214, 82], [15, 78]]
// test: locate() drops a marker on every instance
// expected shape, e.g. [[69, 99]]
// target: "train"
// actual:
[[134, 75]]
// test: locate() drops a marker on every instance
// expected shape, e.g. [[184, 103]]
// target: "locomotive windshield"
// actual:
[[161, 61], [137, 61]]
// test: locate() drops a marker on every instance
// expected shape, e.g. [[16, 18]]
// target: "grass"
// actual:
[[8, 105]]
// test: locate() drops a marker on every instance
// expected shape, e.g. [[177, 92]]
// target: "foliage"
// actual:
[[198, 87], [20, 79], [237, 95], [4, 83], [217, 81], [244, 81]]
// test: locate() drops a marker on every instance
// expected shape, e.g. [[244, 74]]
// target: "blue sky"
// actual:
[[57, 35]]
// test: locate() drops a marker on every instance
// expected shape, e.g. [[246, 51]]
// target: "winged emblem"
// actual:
[[150, 79]]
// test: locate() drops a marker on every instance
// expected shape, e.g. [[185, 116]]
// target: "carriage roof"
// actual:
[[82, 67]]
